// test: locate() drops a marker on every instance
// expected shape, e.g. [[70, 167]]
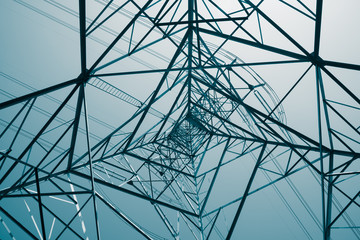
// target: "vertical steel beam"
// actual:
[[91, 164], [322, 171], [82, 23], [246, 193], [40, 204], [76, 125], [190, 47], [321, 91], [319, 6]]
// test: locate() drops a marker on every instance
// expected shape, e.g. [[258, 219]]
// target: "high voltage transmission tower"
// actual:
[[187, 119]]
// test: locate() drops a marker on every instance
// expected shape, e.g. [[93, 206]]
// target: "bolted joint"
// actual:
[[316, 60], [84, 76]]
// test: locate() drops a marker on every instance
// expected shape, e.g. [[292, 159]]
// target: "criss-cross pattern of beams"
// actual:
[[185, 119]]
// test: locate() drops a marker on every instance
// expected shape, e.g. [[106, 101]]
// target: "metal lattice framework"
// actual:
[[172, 129]]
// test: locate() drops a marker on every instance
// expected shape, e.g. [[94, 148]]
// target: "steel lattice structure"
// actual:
[[187, 119]]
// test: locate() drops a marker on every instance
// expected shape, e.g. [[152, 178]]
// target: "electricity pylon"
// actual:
[[185, 157]]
